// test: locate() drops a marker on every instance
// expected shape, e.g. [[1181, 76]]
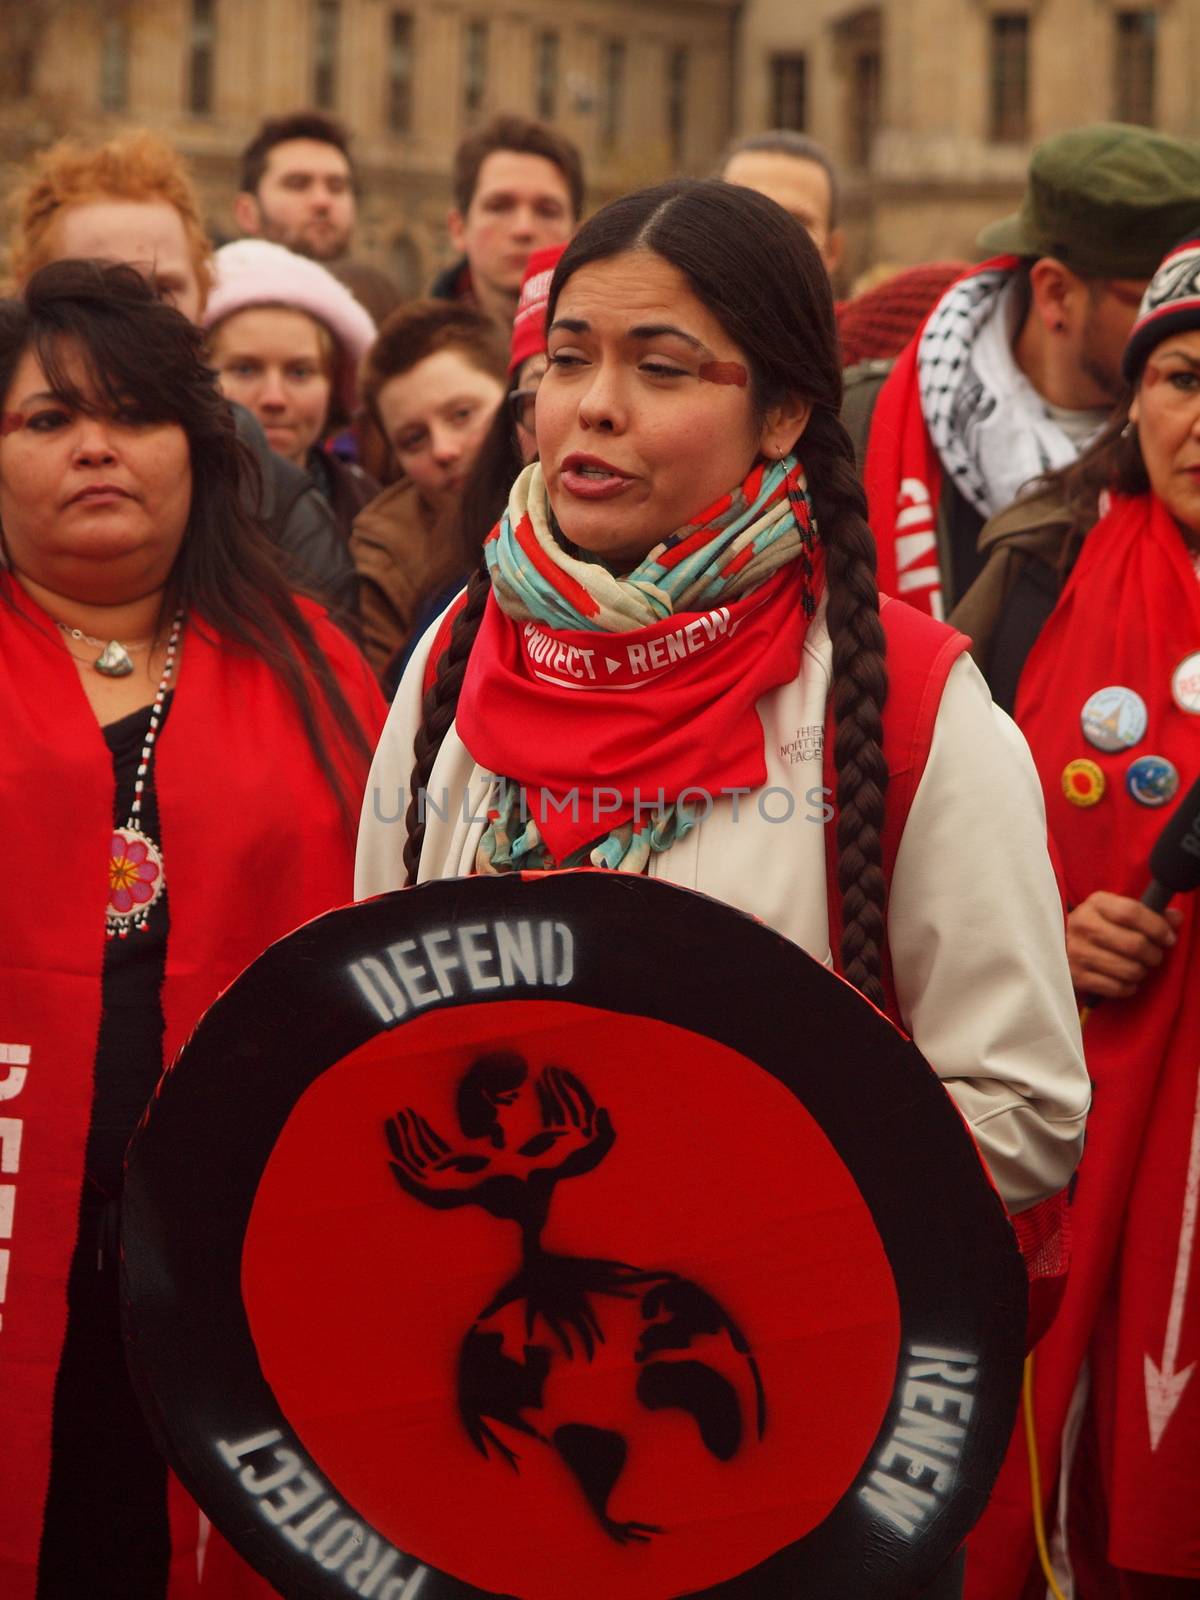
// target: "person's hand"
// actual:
[[1114, 942]]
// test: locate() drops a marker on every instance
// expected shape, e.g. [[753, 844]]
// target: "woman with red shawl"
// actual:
[[1109, 700], [185, 742]]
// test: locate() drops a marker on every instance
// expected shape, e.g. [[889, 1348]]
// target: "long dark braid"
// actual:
[[859, 690], [437, 713]]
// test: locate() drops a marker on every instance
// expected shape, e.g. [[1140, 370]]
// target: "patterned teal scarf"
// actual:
[[719, 555]]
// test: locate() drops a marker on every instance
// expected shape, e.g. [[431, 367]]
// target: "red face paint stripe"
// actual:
[[724, 372], [561, 582], [11, 422]]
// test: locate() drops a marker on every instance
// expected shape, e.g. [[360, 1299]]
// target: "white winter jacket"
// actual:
[[975, 923]]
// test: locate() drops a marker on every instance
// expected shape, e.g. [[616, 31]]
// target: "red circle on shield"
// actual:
[[546, 1288]]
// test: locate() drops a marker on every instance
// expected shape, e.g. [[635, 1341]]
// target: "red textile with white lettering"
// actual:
[[254, 844], [1128, 615], [619, 717], [902, 475]]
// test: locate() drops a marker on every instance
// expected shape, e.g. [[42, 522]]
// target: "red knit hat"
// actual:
[[529, 324], [879, 323]]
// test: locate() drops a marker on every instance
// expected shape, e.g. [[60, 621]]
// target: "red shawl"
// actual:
[[1129, 614], [254, 844], [903, 479]]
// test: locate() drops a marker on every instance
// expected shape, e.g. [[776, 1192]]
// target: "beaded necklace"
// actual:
[[136, 877]]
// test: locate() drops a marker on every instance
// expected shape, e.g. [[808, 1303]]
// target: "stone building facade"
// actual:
[[643, 88], [930, 107]]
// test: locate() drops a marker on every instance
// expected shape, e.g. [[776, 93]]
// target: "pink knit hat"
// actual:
[[254, 272]]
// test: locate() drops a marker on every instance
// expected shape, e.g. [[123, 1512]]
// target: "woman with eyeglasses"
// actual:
[[1087, 619]]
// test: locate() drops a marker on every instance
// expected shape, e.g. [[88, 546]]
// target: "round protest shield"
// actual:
[[573, 1235]]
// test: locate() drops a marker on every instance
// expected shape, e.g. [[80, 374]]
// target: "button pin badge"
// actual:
[[1115, 718], [1185, 684], [1083, 783], [1152, 780]]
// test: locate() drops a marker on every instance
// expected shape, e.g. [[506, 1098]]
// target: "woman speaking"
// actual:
[[679, 593]]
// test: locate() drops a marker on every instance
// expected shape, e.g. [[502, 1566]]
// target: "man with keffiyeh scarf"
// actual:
[[1018, 365]]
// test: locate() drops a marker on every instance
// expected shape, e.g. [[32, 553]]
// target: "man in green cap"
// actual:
[[1019, 363]]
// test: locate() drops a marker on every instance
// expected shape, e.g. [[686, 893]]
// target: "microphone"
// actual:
[[1174, 867], [1175, 859]]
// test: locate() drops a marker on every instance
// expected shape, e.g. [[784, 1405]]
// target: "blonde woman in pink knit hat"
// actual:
[[286, 339]]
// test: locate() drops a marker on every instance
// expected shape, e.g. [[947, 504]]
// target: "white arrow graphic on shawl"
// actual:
[[1165, 1386]]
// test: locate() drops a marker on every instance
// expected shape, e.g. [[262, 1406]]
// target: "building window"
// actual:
[[400, 73], [114, 64], [612, 89], [858, 55], [475, 71], [545, 75], [789, 92], [1010, 78], [1135, 63], [677, 77], [202, 53], [868, 95], [327, 21]]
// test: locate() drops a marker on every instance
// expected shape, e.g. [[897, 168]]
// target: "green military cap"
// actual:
[[1108, 201]]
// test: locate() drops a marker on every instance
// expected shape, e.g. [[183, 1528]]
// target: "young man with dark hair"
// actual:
[[518, 187], [797, 173], [297, 186]]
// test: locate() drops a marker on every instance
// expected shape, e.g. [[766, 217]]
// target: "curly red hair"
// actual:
[[139, 166]]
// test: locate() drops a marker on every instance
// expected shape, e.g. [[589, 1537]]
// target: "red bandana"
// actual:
[[575, 715], [1128, 617]]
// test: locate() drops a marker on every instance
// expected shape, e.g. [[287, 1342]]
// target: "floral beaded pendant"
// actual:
[[135, 864], [135, 881]]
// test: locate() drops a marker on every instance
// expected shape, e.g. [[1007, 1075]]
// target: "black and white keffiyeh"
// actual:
[[993, 431]]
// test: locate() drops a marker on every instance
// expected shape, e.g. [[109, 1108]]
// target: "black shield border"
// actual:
[[646, 949]]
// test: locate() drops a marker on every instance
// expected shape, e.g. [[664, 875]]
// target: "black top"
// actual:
[[105, 1528], [963, 525]]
